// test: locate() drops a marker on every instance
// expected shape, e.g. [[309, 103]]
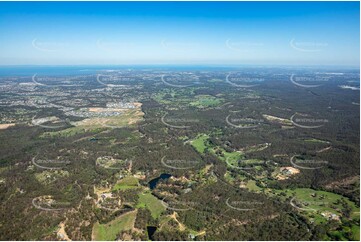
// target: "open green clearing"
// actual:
[[251, 185], [186, 98], [153, 204], [109, 231], [204, 101], [200, 143], [126, 183], [355, 232], [72, 131], [317, 202]]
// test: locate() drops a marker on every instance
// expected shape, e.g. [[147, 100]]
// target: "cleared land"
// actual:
[[129, 182], [128, 118], [109, 231], [147, 200], [313, 203], [200, 143], [5, 126]]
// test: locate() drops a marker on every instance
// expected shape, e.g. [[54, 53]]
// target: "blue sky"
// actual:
[[221, 33]]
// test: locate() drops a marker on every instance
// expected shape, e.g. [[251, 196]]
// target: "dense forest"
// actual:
[[227, 149]]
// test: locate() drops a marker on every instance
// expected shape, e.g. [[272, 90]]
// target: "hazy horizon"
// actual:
[[198, 33]]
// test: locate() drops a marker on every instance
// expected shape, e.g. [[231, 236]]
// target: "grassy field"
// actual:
[[204, 101], [178, 98], [73, 131], [98, 124], [175, 97], [200, 143], [229, 156], [126, 183], [318, 202], [147, 200], [344, 234], [251, 185], [355, 232], [109, 231]]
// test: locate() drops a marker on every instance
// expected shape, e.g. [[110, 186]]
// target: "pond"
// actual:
[[153, 183], [151, 230]]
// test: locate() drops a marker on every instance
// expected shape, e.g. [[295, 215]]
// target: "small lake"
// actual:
[[153, 183], [151, 230]]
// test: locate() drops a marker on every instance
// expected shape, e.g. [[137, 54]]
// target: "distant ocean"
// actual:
[[88, 70], [47, 70]]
